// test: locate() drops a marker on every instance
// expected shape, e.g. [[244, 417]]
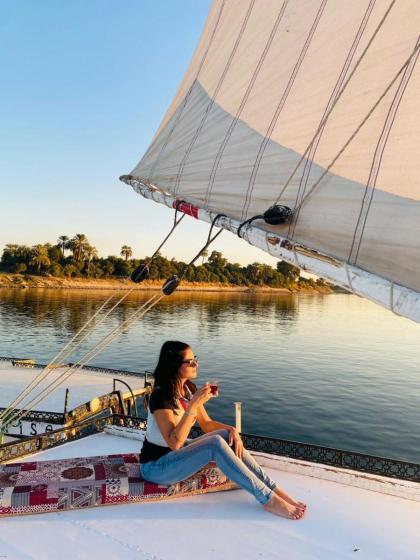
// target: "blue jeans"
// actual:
[[181, 464]]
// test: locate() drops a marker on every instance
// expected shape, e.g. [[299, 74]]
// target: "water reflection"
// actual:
[[332, 370], [68, 310]]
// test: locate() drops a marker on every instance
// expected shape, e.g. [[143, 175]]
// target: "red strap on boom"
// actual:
[[186, 208]]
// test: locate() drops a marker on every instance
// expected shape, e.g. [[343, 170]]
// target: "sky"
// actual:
[[85, 85]]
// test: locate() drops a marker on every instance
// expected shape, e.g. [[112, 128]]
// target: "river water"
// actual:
[[332, 370]]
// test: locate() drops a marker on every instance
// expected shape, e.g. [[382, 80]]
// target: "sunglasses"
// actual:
[[192, 362]]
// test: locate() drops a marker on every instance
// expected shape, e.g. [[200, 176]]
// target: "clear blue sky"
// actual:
[[84, 86]]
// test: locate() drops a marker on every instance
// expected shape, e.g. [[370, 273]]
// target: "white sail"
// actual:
[[312, 105]]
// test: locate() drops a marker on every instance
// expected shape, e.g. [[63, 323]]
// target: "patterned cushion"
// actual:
[[65, 484]]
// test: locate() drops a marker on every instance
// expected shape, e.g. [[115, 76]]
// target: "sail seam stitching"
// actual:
[[377, 159], [305, 153], [321, 127], [247, 93], [186, 98], [212, 100], [359, 127], [278, 111]]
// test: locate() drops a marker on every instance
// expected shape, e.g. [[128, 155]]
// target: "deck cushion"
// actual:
[[66, 484]]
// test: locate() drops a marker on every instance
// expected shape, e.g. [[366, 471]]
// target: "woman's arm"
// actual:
[[174, 434], [209, 425], [206, 423]]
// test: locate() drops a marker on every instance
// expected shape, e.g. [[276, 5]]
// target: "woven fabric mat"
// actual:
[[67, 484]]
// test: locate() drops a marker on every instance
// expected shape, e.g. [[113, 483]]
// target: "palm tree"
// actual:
[[126, 252], [90, 253], [39, 257], [63, 241], [204, 254], [78, 246]]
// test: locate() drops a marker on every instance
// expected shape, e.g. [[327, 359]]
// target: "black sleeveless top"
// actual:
[[150, 451]]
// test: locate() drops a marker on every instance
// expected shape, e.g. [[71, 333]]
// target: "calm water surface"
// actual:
[[333, 370]]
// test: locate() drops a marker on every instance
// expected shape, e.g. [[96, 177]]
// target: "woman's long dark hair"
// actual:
[[167, 376]]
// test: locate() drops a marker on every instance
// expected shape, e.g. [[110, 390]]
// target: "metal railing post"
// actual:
[[66, 400], [131, 391], [238, 416]]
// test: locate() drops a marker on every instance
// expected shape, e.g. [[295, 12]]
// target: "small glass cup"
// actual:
[[214, 387]]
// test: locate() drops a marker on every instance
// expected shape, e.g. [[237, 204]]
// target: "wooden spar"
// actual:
[[400, 300]]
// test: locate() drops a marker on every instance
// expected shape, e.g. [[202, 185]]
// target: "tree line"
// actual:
[[76, 258]]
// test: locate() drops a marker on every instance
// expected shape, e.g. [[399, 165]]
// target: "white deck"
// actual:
[[342, 522], [83, 387]]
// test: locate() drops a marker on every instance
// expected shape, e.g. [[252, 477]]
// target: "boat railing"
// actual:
[[361, 462], [29, 362], [40, 416], [34, 444], [115, 401], [393, 468]]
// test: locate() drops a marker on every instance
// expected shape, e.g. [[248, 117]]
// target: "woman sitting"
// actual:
[[168, 457]]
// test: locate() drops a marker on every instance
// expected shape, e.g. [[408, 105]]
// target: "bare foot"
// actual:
[[278, 506], [284, 496]]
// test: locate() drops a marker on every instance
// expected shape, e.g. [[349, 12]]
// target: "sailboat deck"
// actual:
[[83, 385], [342, 522]]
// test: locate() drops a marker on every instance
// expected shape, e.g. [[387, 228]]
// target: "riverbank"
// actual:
[[25, 281]]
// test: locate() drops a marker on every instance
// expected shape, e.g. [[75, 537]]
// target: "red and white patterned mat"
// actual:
[[67, 484]]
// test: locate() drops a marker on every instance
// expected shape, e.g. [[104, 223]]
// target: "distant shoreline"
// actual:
[[26, 281]]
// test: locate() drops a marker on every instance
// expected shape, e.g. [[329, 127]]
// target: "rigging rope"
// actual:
[[327, 115], [141, 271], [168, 288], [365, 119], [208, 242], [172, 283], [45, 371], [74, 343], [74, 368]]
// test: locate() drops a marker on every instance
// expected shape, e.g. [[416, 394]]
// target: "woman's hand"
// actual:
[[236, 441], [200, 397]]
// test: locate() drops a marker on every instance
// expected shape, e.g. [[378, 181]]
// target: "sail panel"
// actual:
[[255, 100], [206, 41]]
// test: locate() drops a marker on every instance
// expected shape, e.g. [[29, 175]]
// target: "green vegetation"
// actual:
[[82, 261]]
